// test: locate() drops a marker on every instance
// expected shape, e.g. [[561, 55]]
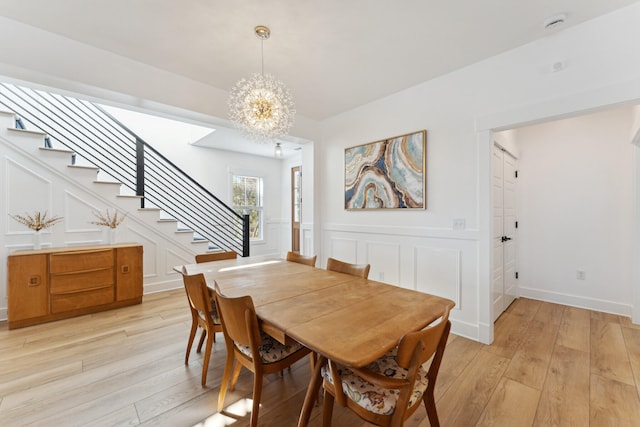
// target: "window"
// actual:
[[246, 193]]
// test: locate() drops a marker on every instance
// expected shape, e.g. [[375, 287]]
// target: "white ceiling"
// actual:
[[333, 54]]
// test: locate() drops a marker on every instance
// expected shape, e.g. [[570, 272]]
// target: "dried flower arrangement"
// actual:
[[108, 220], [38, 221]]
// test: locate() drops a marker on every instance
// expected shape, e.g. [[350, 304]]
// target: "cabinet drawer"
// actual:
[[71, 301], [71, 282], [80, 261]]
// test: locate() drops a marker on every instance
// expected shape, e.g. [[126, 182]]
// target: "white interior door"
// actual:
[[504, 220]]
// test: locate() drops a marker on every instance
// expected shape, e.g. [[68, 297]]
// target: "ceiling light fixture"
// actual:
[[260, 105], [278, 150]]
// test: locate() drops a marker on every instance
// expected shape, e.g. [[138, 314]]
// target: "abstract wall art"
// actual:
[[387, 174]]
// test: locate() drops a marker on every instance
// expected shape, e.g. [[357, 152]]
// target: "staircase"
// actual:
[[95, 144], [57, 167]]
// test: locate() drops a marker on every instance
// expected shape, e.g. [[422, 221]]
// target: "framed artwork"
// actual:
[[387, 174]]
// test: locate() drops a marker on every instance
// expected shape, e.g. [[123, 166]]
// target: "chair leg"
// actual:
[[327, 409], [202, 337], [257, 394], [192, 335], [224, 385], [205, 362], [236, 374], [432, 413]]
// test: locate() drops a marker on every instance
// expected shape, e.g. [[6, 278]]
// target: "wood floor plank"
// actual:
[[565, 396], [530, 362], [512, 404], [511, 326], [123, 417], [457, 356], [609, 356], [575, 329], [632, 343], [613, 403], [465, 400]]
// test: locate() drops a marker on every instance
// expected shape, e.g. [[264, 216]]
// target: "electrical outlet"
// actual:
[[581, 275], [459, 224]]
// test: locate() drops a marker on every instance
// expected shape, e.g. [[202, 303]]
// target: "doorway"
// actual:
[[296, 201]]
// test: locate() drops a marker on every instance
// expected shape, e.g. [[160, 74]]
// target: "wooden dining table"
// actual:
[[349, 320]]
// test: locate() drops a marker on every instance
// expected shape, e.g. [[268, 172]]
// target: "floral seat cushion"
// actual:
[[214, 313], [271, 349], [377, 399]]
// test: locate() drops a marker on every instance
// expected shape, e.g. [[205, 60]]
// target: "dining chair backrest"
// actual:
[[196, 288], [302, 259], [215, 256], [423, 344], [358, 270], [239, 320]]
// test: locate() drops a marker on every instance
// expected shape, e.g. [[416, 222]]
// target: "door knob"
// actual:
[[505, 238]]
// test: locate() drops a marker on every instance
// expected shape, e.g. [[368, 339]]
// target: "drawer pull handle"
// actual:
[[124, 269], [34, 280]]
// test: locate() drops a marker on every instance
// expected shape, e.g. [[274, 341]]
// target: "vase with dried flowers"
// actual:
[[112, 221], [36, 222]]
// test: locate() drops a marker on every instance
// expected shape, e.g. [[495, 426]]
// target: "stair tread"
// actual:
[[58, 150], [83, 167], [107, 182], [35, 132]]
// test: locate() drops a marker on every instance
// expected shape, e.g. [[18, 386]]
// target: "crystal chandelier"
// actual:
[[260, 105]]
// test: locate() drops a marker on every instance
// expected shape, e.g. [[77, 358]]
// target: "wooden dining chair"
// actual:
[[359, 270], [389, 390], [301, 259], [203, 314], [248, 346], [215, 256], [208, 257]]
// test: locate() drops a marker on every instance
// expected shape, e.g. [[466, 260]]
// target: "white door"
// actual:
[[504, 225]]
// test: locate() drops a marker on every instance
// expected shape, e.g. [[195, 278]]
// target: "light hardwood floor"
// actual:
[[549, 365]]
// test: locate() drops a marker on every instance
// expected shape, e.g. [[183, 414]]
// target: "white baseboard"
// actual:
[[578, 301], [163, 286], [465, 329]]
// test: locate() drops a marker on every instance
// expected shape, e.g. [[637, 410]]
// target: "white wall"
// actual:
[[575, 210], [459, 110]]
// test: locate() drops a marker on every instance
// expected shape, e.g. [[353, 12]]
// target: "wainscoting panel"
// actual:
[[437, 271], [20, 181], [385, 261], [78, 215], [344, 249], [307, 239]]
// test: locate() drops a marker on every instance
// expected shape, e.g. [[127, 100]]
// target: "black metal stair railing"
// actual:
[[100, 139]]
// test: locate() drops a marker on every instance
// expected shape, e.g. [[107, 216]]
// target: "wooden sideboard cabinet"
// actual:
[[52, 284]]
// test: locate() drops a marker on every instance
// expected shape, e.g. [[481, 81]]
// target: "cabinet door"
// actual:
[[28, 287], [128, 273]]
